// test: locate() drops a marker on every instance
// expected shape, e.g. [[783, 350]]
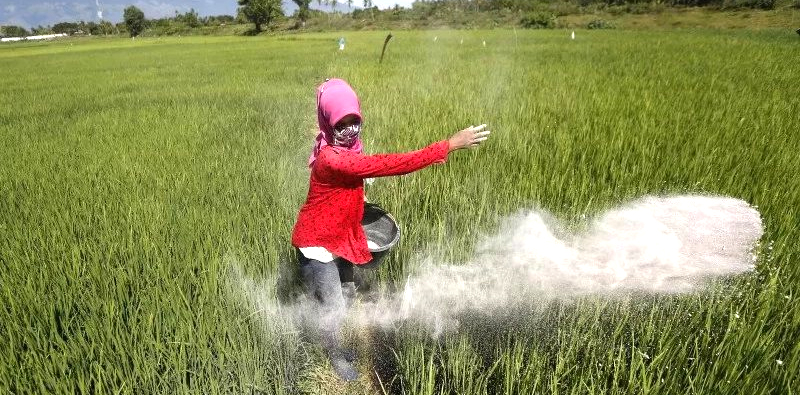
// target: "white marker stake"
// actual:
[[573, 34]]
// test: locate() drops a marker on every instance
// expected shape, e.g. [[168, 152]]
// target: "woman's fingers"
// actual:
[[479, 137], [470, 137], [482, 135]]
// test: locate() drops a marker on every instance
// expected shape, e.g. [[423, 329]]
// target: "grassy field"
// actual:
[[139, 180]]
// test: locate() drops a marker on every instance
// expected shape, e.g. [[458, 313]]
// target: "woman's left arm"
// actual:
[[383, 165]]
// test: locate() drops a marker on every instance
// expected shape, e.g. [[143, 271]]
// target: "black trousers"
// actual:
[[329, 285]]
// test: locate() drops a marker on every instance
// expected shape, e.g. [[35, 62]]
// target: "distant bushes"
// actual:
[[726, 4], [13, 31], [600, 24], [538, 20], [470, 14], [756, 4]]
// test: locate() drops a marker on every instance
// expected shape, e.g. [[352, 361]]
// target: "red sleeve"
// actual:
[[366, 166]]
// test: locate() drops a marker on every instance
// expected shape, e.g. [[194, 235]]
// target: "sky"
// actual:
[[31, 13]]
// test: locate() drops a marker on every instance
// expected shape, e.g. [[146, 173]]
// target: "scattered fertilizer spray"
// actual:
[[653, 245]]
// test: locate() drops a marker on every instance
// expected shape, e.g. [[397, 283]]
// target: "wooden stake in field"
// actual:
[[385, 42]]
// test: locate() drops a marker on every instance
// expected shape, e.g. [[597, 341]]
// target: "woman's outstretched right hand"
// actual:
[[470, 137]]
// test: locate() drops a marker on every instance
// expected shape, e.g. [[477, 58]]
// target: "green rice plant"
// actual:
[[417, 368], [144, 183], [463, 369], [522, 368]]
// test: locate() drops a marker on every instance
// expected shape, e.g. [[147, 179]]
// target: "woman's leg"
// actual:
[[322, 281], [347, 278], [324, 286]]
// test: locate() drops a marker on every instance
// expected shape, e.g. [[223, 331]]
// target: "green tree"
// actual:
[[90, 27], [190, 18], [41, 30], [134, 20], [13, 31], [106, 28], [261, 12], [302, 10], [65, 27], [368, 6]]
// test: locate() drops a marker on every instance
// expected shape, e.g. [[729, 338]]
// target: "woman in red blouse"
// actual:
[[328, 233]]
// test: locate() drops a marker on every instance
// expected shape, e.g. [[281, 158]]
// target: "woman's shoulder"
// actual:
[[327, 151], [332, 152], [328, 155]]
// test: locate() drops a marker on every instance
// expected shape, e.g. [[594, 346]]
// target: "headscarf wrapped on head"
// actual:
[[335, 100]]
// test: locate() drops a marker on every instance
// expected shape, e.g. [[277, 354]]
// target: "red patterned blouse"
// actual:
[[331, 215]]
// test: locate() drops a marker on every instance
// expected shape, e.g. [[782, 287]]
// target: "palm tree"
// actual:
[[368, 4], [302, 12]]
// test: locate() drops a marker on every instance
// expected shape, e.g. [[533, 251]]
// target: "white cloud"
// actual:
[[29, 13], [158, 9], [48, 13], [15, 21]]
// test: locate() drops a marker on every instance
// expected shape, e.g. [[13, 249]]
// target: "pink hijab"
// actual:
[[335, 100]]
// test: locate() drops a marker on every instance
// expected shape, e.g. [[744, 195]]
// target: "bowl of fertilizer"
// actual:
[[382, 233]]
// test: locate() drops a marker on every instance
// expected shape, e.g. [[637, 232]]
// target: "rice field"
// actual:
[[141, 180]]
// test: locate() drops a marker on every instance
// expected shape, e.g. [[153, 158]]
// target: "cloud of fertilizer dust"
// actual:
[[658, 245]]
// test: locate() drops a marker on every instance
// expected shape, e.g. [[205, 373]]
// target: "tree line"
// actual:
[[134, 23], [262, 13]]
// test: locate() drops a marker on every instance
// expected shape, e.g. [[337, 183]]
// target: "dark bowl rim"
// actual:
[[396, 238]]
